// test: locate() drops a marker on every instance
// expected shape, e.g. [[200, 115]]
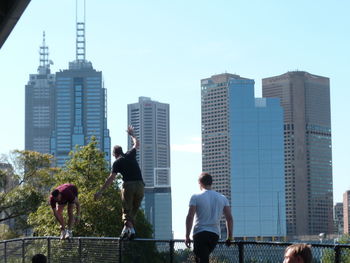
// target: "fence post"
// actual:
[[48, 250], [23, 251], [171, 244], [120, 250], [5, 251], [337, 254], [80, 254], [240, 252]]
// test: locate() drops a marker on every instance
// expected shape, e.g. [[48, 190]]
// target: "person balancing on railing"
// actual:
[[63, 194], [207, 208], [132, 191]]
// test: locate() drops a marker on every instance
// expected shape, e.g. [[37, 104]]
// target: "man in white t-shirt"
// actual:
[[207, 208]]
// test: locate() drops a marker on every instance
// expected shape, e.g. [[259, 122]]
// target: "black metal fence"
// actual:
[[108, 250]]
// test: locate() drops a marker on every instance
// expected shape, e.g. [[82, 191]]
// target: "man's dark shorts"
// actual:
[[204, 243]]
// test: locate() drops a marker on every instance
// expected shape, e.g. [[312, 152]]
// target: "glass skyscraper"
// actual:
[[150, 120], [305, 99], [257, 162], [80, 111], [68, 108], [242, 144]]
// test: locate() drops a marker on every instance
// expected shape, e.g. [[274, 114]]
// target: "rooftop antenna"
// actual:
[[44, 54], [80, 40]]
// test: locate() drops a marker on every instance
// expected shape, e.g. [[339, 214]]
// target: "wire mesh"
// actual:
[[108, 250]]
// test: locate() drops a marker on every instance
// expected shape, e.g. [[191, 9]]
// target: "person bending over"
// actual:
[[65, 194]]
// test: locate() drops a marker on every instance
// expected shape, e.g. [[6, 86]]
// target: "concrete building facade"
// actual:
[[346, 212], [150, 120], [305, 99], [40, 105]]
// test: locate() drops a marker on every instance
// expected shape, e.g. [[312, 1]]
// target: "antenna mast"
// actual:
[[80, 37], [44, 54]]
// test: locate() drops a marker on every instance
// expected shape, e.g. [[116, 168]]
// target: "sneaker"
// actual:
[[69, 234], [125, 233], [63, 234], [132, 234]]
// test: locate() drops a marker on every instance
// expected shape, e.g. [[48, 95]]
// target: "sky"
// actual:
[[162, 49]]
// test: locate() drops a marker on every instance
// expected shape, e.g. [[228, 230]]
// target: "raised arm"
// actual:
[[135, 141]]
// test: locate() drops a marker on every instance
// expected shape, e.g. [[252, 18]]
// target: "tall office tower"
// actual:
[[305, 99], [346, 212], [39, 105], [242, 144], [338, 218], [81, 107], [151, 122]]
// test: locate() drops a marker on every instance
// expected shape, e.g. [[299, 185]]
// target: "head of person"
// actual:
[[56, 195], [298, 253], [205, 180], [39, 258], [117, 151]]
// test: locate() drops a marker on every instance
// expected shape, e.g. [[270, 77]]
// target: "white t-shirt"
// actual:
[[209, 209]]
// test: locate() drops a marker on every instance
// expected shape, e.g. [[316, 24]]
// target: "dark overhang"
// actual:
[[10, 12]]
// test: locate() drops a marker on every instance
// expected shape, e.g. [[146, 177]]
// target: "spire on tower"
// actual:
[[44, 63], [80, 43], [80, 37]]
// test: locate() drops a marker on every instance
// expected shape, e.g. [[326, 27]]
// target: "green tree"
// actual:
[[25, 179], [87, 169]]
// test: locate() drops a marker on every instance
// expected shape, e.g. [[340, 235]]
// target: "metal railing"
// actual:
[[108, 250]]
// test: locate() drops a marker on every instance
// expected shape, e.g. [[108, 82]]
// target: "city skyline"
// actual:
[[163, 50]]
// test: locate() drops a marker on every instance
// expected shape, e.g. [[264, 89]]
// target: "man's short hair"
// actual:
[[205, 179], [117, 150], [301, 250], [39, 258], [55, 193]]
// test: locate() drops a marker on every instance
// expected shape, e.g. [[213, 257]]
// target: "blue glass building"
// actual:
[[257, 162], [80, 102], [242, 148]]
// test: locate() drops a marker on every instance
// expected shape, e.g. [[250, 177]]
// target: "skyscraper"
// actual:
[[39, 105], [346, 212], [242, 144], [305, 99], [338, 218], [150, 120], [80, 106]]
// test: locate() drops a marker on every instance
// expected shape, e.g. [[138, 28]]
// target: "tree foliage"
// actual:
[[25, 179], [88, 170]]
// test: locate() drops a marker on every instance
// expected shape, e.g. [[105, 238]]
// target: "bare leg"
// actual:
[[70, 216]]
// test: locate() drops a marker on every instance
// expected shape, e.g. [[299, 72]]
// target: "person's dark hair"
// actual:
[[301, 250], [55, 193], [39, 258], [117, 150], [205, 179]]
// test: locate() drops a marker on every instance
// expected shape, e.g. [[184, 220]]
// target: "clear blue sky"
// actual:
[[161, 49]]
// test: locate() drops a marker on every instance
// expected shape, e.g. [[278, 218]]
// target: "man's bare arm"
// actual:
[[109, 180], [229, 222], [135, 141], [189, 224]]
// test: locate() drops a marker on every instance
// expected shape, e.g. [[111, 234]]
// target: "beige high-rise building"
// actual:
[[215, 131], [305, 99], [346, 214]]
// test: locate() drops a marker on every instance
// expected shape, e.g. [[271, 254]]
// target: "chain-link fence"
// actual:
[[108, 250]]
